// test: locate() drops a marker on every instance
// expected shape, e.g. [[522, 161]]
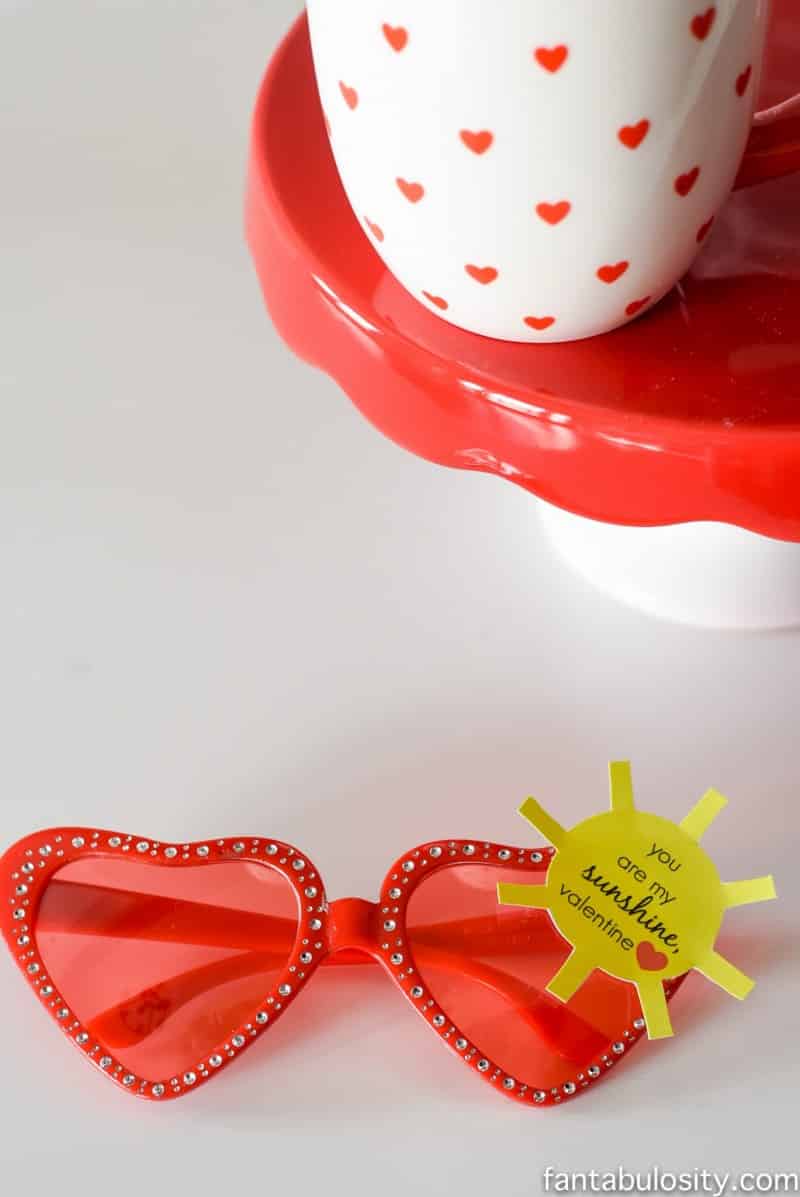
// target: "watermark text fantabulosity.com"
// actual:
[[663, 1180]]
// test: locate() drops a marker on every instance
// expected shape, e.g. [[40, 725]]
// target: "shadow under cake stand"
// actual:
[[665, 455]]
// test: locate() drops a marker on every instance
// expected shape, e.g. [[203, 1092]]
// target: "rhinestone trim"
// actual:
[[18, 925], [96, 843]]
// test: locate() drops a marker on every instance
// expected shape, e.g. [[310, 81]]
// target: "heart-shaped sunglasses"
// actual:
[[164, 962]]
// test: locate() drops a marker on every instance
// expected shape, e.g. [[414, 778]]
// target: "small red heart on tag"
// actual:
[[350, 96], [552, 59], [396, 36], [649, 959], [540, 323], [632, 136], [479, 143], [482, 274]]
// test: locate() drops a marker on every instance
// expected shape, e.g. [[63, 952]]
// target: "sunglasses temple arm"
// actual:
[[136, 1017], [517, 930], [75, 908], [96, 910], [559, 1028], [78, 908]]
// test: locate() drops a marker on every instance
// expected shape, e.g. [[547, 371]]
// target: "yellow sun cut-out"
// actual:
[[636, 896]]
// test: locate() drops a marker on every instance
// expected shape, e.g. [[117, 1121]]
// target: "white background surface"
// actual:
[[228, 606]]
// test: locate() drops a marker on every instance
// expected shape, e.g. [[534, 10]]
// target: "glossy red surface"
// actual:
[[690, 413]]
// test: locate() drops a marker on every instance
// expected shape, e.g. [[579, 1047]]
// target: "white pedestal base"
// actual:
[[711, 575]]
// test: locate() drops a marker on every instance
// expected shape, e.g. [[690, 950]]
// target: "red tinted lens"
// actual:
[[488, 965], [162, 964]]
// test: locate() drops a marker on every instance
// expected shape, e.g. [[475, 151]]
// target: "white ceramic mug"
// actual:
[[536, 170]]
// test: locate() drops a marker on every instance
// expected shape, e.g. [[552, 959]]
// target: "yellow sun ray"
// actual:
[[572, 974], [534, 896], [703, 814], [726, 975], [654, 1008], [621, 786], [538, 817], [744, 893], [636, 896]]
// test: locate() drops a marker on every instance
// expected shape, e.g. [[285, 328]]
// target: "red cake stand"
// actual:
[[667, 452]]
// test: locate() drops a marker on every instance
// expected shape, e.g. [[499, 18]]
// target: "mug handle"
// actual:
[[774, 146]]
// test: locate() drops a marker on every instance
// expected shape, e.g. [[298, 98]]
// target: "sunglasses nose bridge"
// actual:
[[352, 924]]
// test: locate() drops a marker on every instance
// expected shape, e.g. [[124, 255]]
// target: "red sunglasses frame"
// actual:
[[351, 927]]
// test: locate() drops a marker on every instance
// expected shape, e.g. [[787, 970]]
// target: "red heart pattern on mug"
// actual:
[[611, 274], [554, 213], [703, 23], [437, 301], [632, 136], [551, 58], [479, 143], [482, 274], [634, 308], [685, 183], [648, 958], [396, 36], [704, 230], [413, 192], [350, 96]]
